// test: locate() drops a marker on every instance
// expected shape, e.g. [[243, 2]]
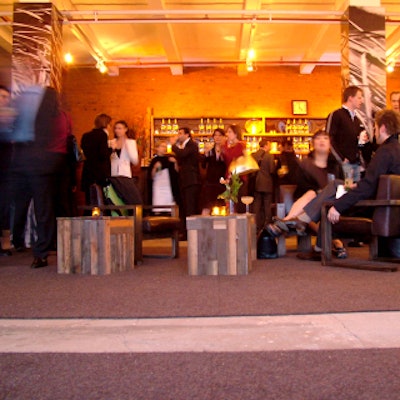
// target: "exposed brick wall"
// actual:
[[200, 92]]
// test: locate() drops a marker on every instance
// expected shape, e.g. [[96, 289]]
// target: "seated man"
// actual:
[[385, 161]]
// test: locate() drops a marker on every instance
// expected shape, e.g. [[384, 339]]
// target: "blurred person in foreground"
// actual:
[[36, 164]]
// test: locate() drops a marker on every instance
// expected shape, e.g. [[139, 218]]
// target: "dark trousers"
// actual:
[[262, 208], [38, 184], [190, 197]]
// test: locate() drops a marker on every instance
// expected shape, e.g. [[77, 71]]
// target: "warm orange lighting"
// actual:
[[68, 58], [95, 212]]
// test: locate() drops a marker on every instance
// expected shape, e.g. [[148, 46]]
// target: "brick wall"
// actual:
[[135, 93]]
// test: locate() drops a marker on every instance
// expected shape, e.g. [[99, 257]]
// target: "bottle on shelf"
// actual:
[[201, 127], [169, 126], [221, 124], [214, 124], [175, 127], [288, 127], [201, 146], [163, 127], [208, 127]]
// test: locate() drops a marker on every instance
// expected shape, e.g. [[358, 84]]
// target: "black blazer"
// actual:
[[188, 162], [97, 164]]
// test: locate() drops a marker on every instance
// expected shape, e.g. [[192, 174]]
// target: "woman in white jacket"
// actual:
[[124, 152]]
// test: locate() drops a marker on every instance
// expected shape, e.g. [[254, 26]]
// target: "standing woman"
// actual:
[[215, 167], [97, 165], [124, 151], [124, 155], [231, 150]]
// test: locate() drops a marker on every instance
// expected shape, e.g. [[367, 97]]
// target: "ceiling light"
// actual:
[[101, 66], [68, 58], [251, 54], [390, 67]]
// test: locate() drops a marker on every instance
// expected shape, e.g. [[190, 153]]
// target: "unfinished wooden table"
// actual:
[[95, 245], [221, 245]]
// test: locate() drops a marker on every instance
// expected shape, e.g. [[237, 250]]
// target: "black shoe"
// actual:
[[39, 262], [310, 256], [5, 253]]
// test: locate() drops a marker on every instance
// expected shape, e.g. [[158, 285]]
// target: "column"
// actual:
[[364, 56], [37, 46]]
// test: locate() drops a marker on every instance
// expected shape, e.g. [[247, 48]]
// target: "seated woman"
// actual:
[[313, 174]]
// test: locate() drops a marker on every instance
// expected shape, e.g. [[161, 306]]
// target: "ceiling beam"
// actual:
[[168, 41], [84, 33], [6, 38], [393, 45], [318, 47]]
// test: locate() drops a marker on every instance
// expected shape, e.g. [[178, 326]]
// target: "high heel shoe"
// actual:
[[280, 227]]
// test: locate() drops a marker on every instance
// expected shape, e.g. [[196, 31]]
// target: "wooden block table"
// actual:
[[219, 245], [95, 245]]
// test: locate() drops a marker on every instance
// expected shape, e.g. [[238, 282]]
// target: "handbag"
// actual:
[[266, 246]]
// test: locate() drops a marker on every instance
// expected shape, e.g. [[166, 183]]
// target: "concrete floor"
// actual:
[[227, 334]]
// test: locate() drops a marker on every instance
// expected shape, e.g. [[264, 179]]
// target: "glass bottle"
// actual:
[[201, 127]]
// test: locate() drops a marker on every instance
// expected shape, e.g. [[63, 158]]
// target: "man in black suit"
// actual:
[[187, 154]]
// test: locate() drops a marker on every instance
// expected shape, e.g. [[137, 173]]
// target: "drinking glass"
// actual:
[[247, 200]]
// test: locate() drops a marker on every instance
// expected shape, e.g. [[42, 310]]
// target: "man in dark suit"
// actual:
[[187, 154]]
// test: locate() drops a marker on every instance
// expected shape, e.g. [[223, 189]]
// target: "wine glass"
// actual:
[[247, 200]]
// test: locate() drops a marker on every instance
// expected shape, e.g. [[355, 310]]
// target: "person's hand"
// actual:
[[333, 215], [172, 159]]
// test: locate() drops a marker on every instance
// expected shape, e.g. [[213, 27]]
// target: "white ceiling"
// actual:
[[183, 33]]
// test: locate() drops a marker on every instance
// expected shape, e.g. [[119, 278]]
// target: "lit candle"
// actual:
[[215, 211], [95, 212]]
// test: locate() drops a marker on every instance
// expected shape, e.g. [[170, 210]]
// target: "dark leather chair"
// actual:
[[148, 224], [384, 226]]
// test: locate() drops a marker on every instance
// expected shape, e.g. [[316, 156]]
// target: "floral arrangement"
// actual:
[[232, 185]]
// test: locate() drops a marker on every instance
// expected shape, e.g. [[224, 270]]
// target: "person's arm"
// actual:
[[132, 151]]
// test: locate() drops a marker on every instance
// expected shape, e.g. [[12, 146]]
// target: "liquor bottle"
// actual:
[[288, 127], [175, 127], [215, 124], [221, 124], [169, 126], [163, 127], [201, 127], [208, 127]]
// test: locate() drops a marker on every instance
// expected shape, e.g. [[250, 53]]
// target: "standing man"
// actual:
[[347, 131], [264, 184], [187, 154], [395, 101]]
